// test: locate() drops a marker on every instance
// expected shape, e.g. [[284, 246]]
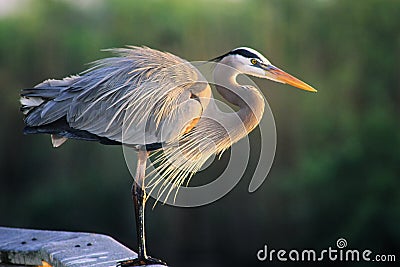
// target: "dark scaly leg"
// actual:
[[139, 201]]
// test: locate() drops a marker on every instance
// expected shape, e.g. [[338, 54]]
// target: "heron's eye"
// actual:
[[253, 61]]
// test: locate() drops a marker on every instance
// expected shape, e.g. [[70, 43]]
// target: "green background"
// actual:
[[337, 167]]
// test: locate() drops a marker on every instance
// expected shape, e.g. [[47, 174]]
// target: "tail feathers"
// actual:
[[28, 103], [50, 89], [43, 92]]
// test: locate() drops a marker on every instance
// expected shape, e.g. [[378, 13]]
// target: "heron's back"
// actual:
[[95, 106]]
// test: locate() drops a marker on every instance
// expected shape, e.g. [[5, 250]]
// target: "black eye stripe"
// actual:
[[245, 53]]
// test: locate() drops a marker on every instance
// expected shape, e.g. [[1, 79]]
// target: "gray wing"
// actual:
[[141, 96]]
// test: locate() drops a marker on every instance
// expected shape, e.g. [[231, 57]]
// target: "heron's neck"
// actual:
[[247, 98]]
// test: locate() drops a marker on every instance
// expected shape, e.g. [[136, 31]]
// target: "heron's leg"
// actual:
[[139, 201]]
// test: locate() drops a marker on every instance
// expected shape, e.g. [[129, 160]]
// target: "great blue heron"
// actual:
[[152, 100]]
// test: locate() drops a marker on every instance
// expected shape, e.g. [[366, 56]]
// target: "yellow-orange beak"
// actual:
[[279, 75]]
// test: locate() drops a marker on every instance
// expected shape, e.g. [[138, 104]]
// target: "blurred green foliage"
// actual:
[[337, 166]]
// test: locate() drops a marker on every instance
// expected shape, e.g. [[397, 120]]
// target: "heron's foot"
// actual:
[[141, 262]]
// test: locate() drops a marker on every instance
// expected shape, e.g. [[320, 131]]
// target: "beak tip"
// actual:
[[283, 77], [308, 88]]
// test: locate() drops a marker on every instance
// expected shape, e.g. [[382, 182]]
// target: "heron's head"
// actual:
[[249, 61]]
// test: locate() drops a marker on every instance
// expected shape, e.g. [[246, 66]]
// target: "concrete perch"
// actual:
[[24, 247]]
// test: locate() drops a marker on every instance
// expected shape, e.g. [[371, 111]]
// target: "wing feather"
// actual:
[[125, 98]]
